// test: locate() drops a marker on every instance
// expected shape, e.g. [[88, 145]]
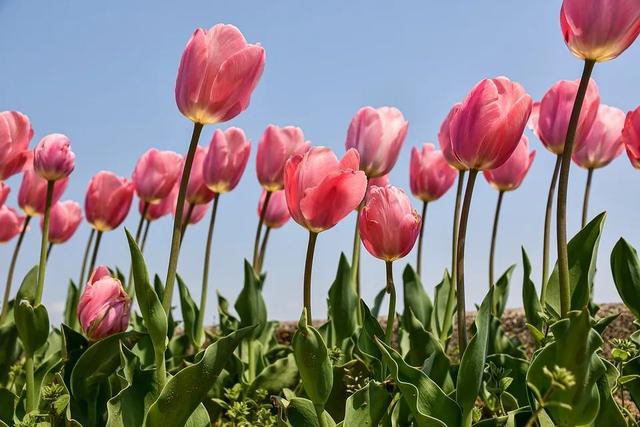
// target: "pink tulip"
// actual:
[[488, 126], [155, 174], [226, 160], [444, 139], [108, 200], [511, 173], [599, 30], [52, 158], [321, 190], [389, 225], [277, 213], [631, 137], [276, 146], [15, 135], [10, 223], [4, 192], [218, 72], [32, 195], [550, 117], [604, 141], [377, 134], [103, 308], [197, 191], [430, 175], [64, 221], [156, 211], [197, 213], [379, 181]]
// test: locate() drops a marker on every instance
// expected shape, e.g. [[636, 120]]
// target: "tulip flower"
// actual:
[[275, 147], [65, 219], [197, 191], [599, 30], [156, 174], [430, 176], [32, 195], [11, 223], [444, 139], [4, 192], [389, 227], [15, 135], [52, 158], [162, 208], [631, 137], [225, 160], [103, 309], [275, 216], [379, 181]]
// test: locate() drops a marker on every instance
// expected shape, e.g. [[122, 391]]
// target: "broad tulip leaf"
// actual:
[[7, 404], [416, 298], [425, 351], [33, 325], [189, 312], [27, 290], [71, 305], [301, 413], [366, 342], [9, 348], [441, 297], [625, 268], [367, 406], [532, 308], [283, 373], [377, 302], [501, 292], [609, 414], [228, 323], [250, 303], [632, 367], [343, 303]]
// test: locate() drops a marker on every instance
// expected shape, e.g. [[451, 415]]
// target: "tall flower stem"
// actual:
[[462, 234], [177, 232], [494, 235], [308, 267], [185, 223], [451, 297], [263, 249], [94, 256], [391, 290], [587, 193], [145, 233], [130, 287], [205, 273], [256, 243], [420, 239], [561, 219], [49, 248], [355, 256], [547, 230], [12, 267]]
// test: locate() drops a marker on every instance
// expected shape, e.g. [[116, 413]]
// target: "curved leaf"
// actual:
[[343, 304], [301, 413], [416, 298], [250, 303], [501, 292], [532, 308], [32, 324], [189, 311], [625, 268], [282, 373], [367, 406]]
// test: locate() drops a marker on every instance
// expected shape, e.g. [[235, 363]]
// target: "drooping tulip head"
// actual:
[[108, 200], [15, 135], [103, 309], [4, 192], [218, 72], [32, 195], [444, 139], [430, 175], [631, 137], [226, 160], [599, 30], [388, 223], [377, 134], [321, 190], [11, 223], [155, 174], [604, 141], [487, 127], [276, 146], [64, 221], [52, 158], [509, 175], [197, 191], [277, 213]]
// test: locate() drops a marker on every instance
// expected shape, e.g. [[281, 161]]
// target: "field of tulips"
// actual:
[[124, 356]]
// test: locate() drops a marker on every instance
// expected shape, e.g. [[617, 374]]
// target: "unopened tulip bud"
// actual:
[[603, 143], [277, 213], [15, 135], [430, 175], [511, 173], [155, 174], [10, 223], [107, 200], [64, 221], [52, 158], [226, 160], [631, 137], [276, 146]]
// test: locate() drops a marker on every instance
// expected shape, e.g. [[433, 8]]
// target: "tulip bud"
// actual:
[[10, 223], [276, 146], [15, 135], [64, 221], [155, 174], [631, 137], [103, 308], [52, 158], [197, 191], [511, 173], [277, 213], [32, 195], [444, 139], [603, 143], [158, 210], [430, 175], [108, 200], [192, 214], [225, 160], [4, 192]]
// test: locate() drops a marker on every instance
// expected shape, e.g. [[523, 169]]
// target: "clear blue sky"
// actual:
[[104, 75]]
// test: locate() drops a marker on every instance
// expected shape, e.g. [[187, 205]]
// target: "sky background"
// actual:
[[105, 76]]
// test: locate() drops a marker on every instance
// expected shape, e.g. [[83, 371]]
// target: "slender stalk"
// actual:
[[205, 273], [561, 219], [185, 223], [494, 234], [462, 234], [308, 267], [587, 193], [130, 287], [30, 384], [391, 290], [94, 257], [44, 243], [177, 232], [49, 251], [256, 243], [144, 235], [424, 220], [263, 250], [355, 255], [320, 414], [12, 267], [451, 297], [547, 230], [161, 370]]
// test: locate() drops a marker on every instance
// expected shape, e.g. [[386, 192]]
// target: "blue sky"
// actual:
[[105, 76]]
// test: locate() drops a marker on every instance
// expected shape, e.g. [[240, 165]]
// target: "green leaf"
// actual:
[[189, 312], [501, 292], [9, 348], [517, 368], [250, 303], [632, 367], [532, 308], [7, 405], [625, 268], [415, 298], [343, 303], [301, 413], [366, 344], [33, 325], [283, 373], [27, 290], [228, 323], [609, 414], [377, 302], [71, 305], [367, 406], [582, 251], [441, 296], [183, 393]]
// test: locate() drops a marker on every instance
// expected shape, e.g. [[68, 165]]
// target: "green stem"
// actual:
[[161, 370], [144, 235], [263, 249], [30, 383], [185, 223], [44, 243], [177, 232], [49, 252], [355, 262], [424, 220], [320, 415], [130, 287], [494, 234], [547, 230], [462, 234], [94, 257], [251, 360], [391, 290], [585, 201], [256, 243], [561, 219], [308, 267], [12, 267]]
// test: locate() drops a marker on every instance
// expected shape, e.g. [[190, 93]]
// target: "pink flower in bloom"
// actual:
[[550, 117], [196, 215], [379, 181], [10, 223], [65, 219], [604, 141], [15, 135], [377, 134], [4, 192], [108, 200], [321, 190], [275, 147], [155, 174], [226, 160], [32, 195], [53, 158], [599, 30], [631, 137], [487, 127], [217, 74], [388, 223], [430, 175], [277, 213], [158, 210], [197, 191], [103, 308], [444, 139], [510, 174]]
